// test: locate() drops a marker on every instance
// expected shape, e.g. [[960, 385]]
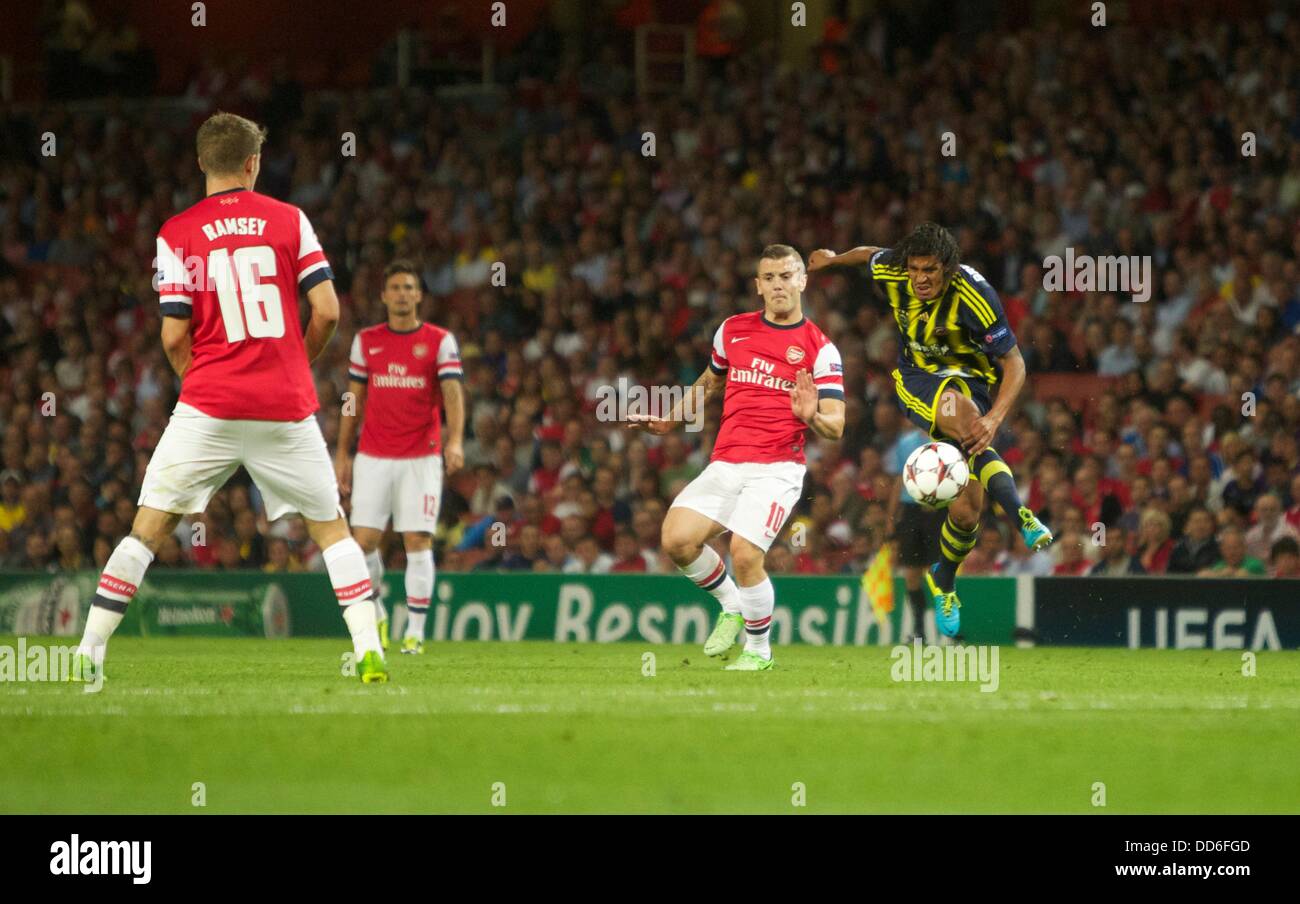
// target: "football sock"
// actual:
[[709, 573], [419, 589], [917, 599], [375, 565], [346, 564], [756, 604], [122, 575], [994, 475], [955, 543]]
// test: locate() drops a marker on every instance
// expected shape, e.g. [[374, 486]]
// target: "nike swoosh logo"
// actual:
[[739, 338], [375, 351]]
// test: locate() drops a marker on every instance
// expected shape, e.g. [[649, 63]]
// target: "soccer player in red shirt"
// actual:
[[229, 271], [401, 373], [782, 376]]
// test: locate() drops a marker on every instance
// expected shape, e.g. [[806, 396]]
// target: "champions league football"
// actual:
[[935, 474]]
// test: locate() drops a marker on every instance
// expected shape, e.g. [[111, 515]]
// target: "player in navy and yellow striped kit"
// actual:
[[952, 331]]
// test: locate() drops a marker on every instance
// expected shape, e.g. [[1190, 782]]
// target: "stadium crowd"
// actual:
[[1172, 447]]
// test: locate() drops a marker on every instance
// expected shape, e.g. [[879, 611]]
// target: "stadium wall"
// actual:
[[488, 606], [1175, 613]]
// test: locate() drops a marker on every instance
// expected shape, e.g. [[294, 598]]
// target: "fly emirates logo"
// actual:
[[760, 373], [396, 378]]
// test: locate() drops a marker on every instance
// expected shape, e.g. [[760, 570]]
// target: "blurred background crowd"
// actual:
[[1153, 437]]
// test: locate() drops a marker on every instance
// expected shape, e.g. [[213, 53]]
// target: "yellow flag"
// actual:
[[878, 582]]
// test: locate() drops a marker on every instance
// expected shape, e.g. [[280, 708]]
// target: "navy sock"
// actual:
[[955, 543], [994, 475]]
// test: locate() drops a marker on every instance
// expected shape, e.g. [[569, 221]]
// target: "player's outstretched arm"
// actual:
[[824, 257], [177, 343], [453, 450], [1013, 380], [706, 387], [324, 317]]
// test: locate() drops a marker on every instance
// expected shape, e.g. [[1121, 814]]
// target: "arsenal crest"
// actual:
[[420, 350], [794, 354]]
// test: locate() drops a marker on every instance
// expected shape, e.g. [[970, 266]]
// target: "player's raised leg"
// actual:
[[685, 537], [122, 575], [956, 416]]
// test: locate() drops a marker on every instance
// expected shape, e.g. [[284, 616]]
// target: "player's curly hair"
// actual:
[[928, 240]]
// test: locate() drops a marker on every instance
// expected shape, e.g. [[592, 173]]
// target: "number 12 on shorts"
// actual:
[[430, 506]]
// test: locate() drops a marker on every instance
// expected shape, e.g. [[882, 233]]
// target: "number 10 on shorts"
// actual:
[[775, 518]]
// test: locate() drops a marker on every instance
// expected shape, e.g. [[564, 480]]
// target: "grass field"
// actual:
[[270, 726]]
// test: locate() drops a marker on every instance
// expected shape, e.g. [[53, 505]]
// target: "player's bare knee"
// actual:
[[417, 541], [326, 533], [747, 560], [152, 526], [679, 545], [966, 508]]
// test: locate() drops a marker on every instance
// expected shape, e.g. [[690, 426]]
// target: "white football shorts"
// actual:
[[750, 499], [286, 459], [408, 489]]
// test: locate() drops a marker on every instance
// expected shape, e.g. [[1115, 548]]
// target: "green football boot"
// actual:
[[724, 634], [83, 670], [750, 662], [372, 668]]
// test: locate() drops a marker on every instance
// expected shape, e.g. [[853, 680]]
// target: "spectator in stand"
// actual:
[[527, 553], [1155, 547], [12, 512], [627, 554], [280, 558], [1116, 559], [1197, 550], [1234, 563], [1284, 559], [1269, 527], [170, 554], [1071, 561], [1243, 485], [1293, 512]]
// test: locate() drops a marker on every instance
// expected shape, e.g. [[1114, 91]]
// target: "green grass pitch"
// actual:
[[271, 727]]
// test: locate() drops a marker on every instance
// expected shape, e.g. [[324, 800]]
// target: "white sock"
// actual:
[[100, 625], [346, 565], [122, 575], [419, 589], [708, 573], [756, 604], [360, 619], [375, 565]]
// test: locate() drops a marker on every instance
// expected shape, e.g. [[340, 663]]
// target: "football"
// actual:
[[934, 474]]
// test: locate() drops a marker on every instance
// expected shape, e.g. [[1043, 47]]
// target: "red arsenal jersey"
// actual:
[[402, 371], [761, 360], [234, 264]]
